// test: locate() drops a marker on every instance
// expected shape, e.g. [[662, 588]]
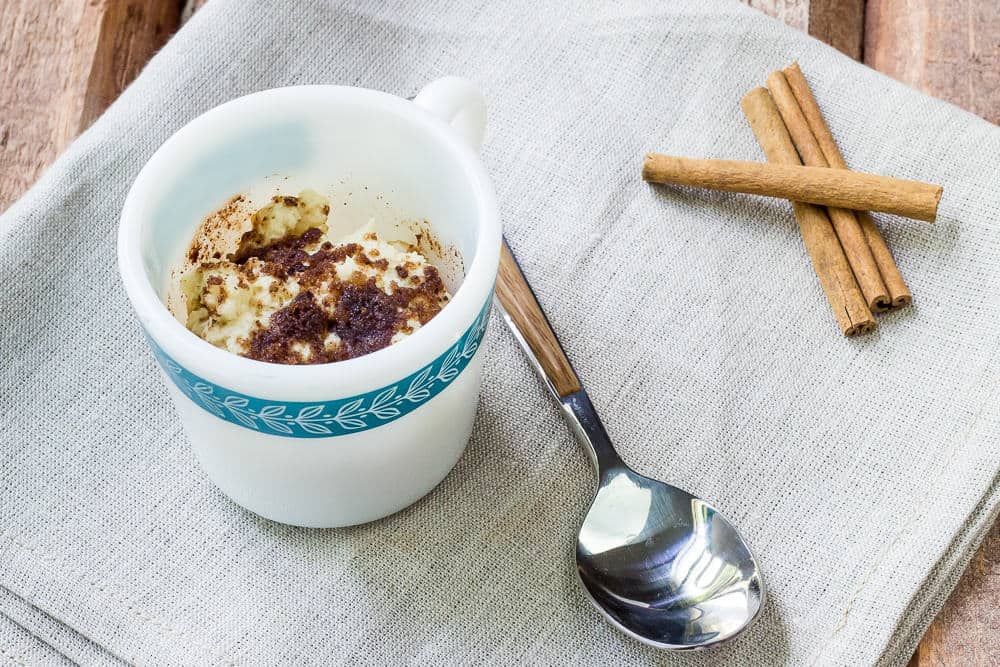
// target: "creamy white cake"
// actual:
[[274, 286]]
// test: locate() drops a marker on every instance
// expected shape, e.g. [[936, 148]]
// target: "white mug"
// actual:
[[341, 443]]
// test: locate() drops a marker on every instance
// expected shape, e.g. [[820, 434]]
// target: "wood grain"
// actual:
[[128, 33], [947, 48], [37, 48], [967, 631], [814, 185], [839, 23], [523, 309], [61, 64]]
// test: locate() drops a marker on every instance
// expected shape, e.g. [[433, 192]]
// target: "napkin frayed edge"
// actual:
[[929, 599]]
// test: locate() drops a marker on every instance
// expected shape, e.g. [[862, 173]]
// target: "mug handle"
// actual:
[[458, 103]]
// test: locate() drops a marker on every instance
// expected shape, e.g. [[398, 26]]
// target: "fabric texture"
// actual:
[[862, 471], [61, 642], [20, 648]]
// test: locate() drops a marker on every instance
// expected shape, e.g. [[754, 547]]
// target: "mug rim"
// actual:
[[286, 382]]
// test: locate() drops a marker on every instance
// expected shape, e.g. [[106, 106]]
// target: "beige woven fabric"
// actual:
[[43, 639], [20, 648], [862, 471]]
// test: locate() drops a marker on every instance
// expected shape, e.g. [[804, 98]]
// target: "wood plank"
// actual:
[[946, 48], [36, 45], [129, 33], [839, 23], [967, 631], [62, 63]]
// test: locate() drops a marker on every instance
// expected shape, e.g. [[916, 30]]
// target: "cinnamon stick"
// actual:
[[899, 293], [814, 185], [852, 238], [828, 259]]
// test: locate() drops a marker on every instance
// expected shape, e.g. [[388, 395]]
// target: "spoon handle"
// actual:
[[526, 319], [523, 314]]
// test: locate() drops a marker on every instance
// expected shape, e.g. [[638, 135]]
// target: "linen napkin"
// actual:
[[19, 647], [862, 471]]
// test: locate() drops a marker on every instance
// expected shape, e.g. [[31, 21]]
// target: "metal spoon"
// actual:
[[660, 564]]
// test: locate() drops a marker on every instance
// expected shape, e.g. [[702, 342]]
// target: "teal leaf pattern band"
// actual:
[[330, 418]]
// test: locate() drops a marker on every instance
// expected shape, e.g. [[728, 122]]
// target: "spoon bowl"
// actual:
[[664, 566]]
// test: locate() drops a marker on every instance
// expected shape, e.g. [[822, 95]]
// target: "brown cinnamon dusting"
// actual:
[[365, 318], [365, 260], [284, 257], [357, 310], [214, 228], [331, 318], [301, 321]]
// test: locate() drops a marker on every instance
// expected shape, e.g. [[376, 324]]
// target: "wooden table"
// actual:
[[63, 61]]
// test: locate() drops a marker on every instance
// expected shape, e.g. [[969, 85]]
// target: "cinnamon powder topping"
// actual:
[[275, 288]]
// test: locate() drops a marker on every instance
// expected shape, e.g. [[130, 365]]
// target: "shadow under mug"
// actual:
[[335, 444]]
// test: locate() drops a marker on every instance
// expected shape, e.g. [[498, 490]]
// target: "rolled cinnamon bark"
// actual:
[[899, 293], [852, 237], [828, 259], [816, 185]]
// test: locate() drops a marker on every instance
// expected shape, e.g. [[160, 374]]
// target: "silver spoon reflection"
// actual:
[[660, 564]]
